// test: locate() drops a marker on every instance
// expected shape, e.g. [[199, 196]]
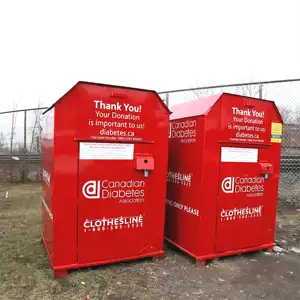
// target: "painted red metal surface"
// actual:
[[104, 176], [224, 162]]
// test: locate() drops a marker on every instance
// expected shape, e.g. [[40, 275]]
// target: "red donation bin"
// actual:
[[224, 161], [104, 176]]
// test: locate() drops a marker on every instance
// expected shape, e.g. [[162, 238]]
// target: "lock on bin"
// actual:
[[145, 163], [266, 169]]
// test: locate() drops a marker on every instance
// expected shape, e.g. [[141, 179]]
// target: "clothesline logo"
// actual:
[[180, 178], [117, 223], [241, 213]]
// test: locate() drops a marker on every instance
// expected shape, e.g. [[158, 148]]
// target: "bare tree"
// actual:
[[199, 93], [2, 142], [250, 90], [203, 92], [36, 130], [297, 114], [286, 114]]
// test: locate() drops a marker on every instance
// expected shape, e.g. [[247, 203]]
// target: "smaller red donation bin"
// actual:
[[223, 175], [105, 152]]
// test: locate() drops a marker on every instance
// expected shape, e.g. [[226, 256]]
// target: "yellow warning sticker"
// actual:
[[276, 133]]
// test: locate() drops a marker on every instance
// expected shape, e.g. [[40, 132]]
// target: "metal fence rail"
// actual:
[[21, 131], [34, 158], [287, 161]]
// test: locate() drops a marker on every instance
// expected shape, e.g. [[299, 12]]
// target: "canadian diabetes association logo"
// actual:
[[252, 186], [228, 185], [183, 130], [131, 191], [91, 189]]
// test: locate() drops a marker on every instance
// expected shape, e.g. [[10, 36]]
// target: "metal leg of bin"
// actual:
[[201, 262], [270, 250], [155, 258], [60, 273]]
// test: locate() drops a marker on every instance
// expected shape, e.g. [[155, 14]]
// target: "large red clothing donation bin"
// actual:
[[104, 176], [224, 161]]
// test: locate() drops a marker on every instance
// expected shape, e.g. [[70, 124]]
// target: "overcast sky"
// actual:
[[46, 48]]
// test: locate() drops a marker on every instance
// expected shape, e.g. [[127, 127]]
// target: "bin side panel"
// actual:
[[159, 181], [47, 181], [210, 179], [184, 181], [65, 178]]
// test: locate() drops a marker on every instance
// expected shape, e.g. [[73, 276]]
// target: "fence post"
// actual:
[[11, 148], [260, 91], [25, 146], [167, 99]]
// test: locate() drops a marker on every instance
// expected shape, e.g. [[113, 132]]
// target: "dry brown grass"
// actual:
[[25, 271]]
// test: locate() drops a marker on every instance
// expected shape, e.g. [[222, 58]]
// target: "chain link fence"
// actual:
[[21, 131], [20, 145], [286, 94]]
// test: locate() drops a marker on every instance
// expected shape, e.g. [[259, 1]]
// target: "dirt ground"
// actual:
[[25, 271]]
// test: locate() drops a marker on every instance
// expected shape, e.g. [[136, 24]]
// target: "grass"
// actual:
[[288, 216], [25, 271]]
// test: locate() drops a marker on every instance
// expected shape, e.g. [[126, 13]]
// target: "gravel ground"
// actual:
[[25, 272]]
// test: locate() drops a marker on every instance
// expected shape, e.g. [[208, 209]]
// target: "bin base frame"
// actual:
[[63, 270], [202, 259]]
